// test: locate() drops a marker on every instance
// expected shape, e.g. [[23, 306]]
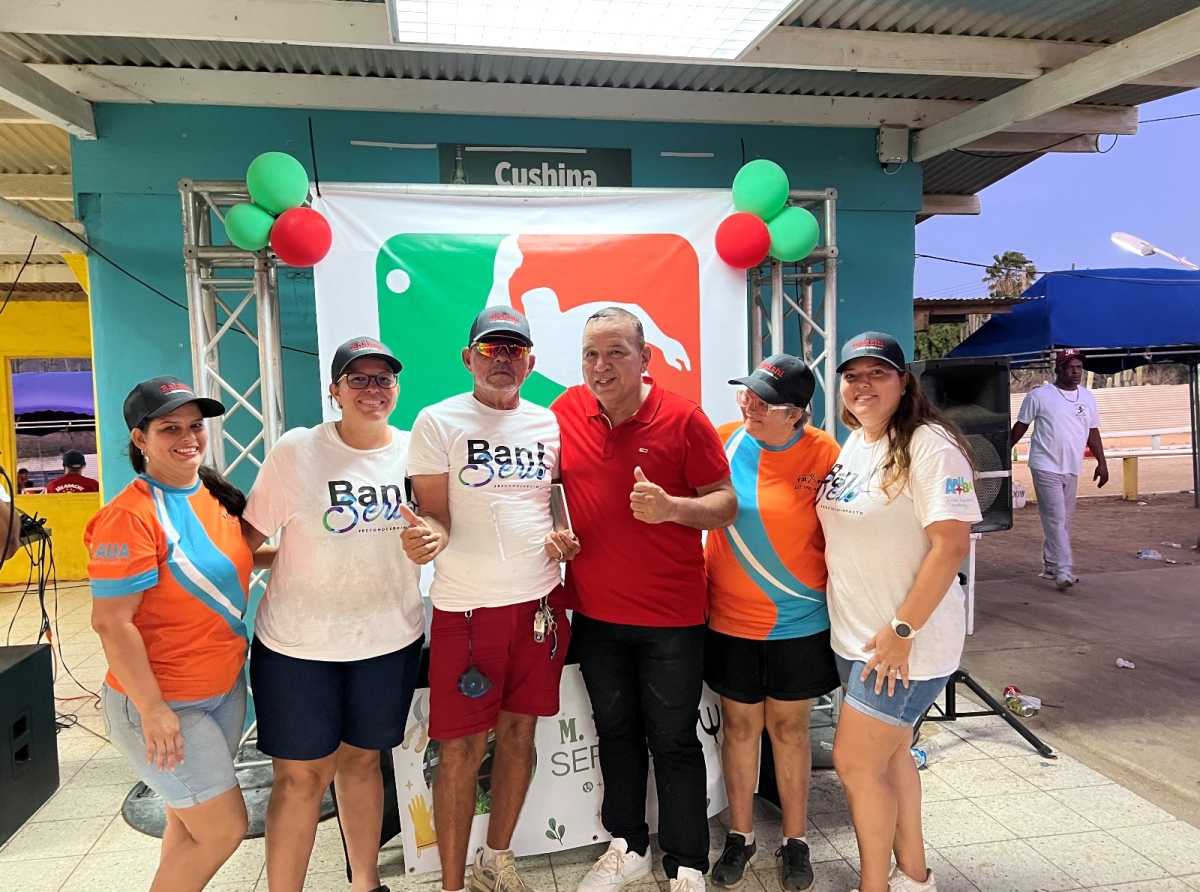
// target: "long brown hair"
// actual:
[[915, 410]]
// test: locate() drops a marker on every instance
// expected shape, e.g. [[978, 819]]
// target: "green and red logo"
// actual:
[[430, 287]]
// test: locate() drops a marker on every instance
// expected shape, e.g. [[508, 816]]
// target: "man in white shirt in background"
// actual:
[[481, 466], [1067, 421]]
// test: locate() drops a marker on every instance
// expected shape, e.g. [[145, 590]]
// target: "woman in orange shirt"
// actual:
[[170, 571]]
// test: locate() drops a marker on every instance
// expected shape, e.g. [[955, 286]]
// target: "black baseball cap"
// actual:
[[781, 379], [361, 348], [73, 458], [162, 396], [500, 321], [875, 344]]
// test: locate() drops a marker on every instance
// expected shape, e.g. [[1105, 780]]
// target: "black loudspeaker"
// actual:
[[28, 745], [973, 393]]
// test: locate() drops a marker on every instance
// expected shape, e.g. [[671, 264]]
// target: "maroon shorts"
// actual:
[[524, 675]]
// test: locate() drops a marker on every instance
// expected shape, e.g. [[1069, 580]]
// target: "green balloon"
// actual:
[[277, 182], [248, 226], [760, 188], [794, 234]]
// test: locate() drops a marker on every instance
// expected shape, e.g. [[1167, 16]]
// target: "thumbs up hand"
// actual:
[[421, 541], [649, 501]]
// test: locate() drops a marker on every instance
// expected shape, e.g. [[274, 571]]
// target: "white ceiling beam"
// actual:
[[114, 83], [35, 187], [1008, 141], [50, 235], [32, 93], [332, 23], [1173, 41], [961, 205]]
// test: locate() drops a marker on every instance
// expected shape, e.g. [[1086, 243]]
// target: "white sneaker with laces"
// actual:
[[616, 868], [899, 881], [688, 879]]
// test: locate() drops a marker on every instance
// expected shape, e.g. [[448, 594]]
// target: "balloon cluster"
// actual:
[[278, 185], [764, 224]]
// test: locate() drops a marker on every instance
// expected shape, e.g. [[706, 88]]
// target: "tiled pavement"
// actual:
[[998, 818]]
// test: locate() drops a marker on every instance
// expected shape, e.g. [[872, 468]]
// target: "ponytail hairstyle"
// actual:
[[915, 410], [232, 499]]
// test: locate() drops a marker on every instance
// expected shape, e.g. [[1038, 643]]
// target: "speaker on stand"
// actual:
[[28, 745]]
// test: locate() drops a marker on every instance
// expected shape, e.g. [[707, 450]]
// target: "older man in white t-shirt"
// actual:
[[1067, 421], [481, 465]]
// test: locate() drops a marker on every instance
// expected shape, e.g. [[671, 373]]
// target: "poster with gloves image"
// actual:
[[562, 810]]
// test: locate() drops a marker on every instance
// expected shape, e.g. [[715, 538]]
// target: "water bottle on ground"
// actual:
[[1149, 554], [919, 757]]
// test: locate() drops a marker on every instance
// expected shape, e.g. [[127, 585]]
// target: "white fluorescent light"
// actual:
[[686, 154], [393, 145], [693, 29]]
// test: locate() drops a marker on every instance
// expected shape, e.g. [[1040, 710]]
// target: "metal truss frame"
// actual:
[[227, 288], [781, 297]]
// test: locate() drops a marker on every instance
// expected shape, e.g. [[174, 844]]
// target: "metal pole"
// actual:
[[1194, 404], [756, 318], [829, 305], [777, 345], [269, 355], [806, 304]]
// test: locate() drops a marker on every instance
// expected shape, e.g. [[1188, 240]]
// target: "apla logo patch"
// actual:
[[111, 551], [957, 486]]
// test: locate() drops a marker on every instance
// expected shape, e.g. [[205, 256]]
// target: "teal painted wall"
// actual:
[[127, 196]]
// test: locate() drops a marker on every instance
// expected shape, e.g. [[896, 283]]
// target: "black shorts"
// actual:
[[306, 708], [749, 670]]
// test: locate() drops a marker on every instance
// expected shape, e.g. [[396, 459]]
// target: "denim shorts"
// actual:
[[902, 709], [211, 730]]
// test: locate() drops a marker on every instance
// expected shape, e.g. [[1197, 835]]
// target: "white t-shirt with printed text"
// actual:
[[874, 545], [341, 587], [1061, 421], [500, 465]]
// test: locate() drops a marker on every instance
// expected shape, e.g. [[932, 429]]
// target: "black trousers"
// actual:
[[645, 684]]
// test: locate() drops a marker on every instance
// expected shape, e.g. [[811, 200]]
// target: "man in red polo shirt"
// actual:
[[644, 473]]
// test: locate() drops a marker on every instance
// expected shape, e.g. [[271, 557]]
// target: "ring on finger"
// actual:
[[893, 672]]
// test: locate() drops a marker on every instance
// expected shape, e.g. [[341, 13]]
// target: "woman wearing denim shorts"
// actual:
[[169, 570], [896, 510]]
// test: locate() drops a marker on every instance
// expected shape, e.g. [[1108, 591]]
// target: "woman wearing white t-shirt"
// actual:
[[337, 637], [897, 511]]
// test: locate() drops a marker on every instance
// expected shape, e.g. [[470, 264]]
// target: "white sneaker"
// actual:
[[899, 881], [617, 868], [688, 879]]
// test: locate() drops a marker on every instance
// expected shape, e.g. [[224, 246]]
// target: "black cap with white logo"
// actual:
[[162, 396], [781, 379], [73, 458], [874, 344], [500, 322], [361, 348]]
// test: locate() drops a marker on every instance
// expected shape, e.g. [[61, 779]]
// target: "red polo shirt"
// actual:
[[630, 572]]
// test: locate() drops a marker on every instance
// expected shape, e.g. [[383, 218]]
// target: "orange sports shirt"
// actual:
[[186, 556], [766, 572]]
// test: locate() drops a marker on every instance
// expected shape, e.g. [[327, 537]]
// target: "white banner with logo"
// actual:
[[562, 810], [414, 269]]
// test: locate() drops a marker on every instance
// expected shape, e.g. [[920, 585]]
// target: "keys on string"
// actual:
[[544, 624]]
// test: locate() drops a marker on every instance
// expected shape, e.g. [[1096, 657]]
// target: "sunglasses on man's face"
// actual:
[[512, 352], [358, 381]]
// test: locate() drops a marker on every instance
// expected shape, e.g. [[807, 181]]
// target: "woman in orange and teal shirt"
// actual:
[[767, 651], [170, 571]]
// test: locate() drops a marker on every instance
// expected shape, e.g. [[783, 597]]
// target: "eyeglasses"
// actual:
[[512, 352], [386, 381], [752, 402]]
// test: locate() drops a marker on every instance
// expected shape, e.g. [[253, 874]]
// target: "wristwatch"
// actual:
[[903, 629]]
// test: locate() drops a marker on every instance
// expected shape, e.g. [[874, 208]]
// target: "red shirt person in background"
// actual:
[[73, 479], [644, 473]]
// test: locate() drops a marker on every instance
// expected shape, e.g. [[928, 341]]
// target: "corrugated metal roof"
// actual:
[[34, 148], [955, 173], [479, 67], [1089, 21]]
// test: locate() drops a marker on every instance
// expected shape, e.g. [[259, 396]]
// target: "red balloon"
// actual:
[[301, 237], [743, 240]]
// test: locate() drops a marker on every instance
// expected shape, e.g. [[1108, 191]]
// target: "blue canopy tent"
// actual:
[[1121, 318]]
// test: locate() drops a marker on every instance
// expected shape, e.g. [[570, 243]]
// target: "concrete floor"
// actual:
[[1139, 727]]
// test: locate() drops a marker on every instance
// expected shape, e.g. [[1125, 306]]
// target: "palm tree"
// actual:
[[1009, 274]]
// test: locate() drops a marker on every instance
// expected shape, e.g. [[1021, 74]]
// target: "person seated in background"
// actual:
[[73, 479], [24, 484]]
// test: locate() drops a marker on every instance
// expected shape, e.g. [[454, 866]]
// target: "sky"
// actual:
[[1063, 208]]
